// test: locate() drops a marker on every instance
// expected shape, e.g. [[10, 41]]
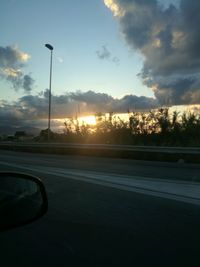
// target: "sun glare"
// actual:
[[91, 120]]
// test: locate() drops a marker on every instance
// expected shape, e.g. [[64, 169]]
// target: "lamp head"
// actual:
[[50, 47]]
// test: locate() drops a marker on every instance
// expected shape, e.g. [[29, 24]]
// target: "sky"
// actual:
[[109, 55], [81, 34]]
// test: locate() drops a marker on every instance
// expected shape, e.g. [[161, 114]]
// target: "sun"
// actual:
[[90, 120]]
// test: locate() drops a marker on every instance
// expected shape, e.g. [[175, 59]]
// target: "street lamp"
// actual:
[[50, 47]]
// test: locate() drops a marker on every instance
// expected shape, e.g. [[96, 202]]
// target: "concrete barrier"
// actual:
[[178, 154]]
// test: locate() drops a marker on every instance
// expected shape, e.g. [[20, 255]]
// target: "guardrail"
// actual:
[[188, 154]]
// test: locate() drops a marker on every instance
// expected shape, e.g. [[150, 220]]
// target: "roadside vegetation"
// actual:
[[157, 127]]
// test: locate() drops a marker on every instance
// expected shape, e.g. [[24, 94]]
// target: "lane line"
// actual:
[[104, 181]]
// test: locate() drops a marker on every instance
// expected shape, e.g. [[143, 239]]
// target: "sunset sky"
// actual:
[[109, 55]]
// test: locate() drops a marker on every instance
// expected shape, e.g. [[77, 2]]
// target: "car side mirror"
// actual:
[[23, 199]]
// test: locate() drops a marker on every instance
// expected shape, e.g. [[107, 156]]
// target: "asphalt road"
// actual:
[[97, 224]]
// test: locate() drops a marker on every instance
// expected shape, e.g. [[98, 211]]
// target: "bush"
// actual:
[[155, 127]]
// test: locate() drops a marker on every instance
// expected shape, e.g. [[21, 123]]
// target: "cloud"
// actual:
[[132, 102], [29, 110], [169, 40], [104, 53], [11, 56], [114, 7], [27, 83], [90, 97], [116, 60], [12, 61], [99, 102]]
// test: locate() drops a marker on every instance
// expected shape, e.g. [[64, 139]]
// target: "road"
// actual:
[[107, 212]]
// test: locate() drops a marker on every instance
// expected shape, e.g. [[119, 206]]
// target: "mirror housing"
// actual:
[[23, 199]]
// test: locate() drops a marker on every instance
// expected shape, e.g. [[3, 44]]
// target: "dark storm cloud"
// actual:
[[91, 97], [184, 90], [88, 102], [29, 108], [169, 40], [12, 60], [9, 114], [132, 102], [93, 102]]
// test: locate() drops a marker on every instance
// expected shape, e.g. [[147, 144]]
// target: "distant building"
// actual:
[[9, 138], [19, 135], [22, 136]]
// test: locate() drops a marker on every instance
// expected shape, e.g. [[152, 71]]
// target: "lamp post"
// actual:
[[50, 47]]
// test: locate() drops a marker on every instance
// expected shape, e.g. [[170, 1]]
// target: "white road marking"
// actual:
[[183, 191]]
